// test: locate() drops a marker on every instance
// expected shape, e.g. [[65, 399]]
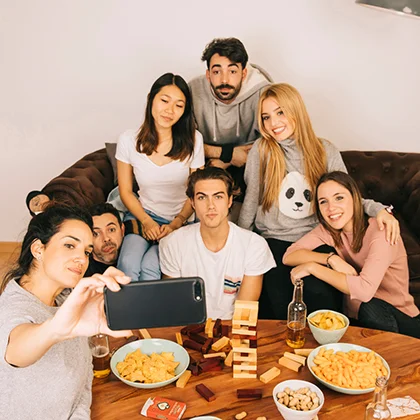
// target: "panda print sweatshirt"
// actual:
[[292, 217]]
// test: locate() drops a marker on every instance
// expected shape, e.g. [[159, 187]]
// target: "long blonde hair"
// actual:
[[272, 161]]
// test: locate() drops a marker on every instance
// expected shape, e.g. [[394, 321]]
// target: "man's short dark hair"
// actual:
[[231, 48], [210, 172], [102, 208]]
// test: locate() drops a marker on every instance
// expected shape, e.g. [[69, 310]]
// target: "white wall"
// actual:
[[74, 74]]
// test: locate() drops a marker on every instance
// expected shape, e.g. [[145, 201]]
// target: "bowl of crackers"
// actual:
[[327, 326], [298, 400], [149, 363], [347, 368]]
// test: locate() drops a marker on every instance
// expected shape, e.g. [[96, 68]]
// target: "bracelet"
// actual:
[[227, 153], [331, 254]]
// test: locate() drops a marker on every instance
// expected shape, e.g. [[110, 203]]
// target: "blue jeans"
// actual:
[[139, 258]]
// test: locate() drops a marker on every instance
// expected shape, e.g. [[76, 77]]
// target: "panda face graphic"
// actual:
[[295, 196]]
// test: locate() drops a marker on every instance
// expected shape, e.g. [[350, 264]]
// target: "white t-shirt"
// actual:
[[183, 254], [161, 188]]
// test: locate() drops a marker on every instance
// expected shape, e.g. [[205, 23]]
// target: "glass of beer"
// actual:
[[99, 346]]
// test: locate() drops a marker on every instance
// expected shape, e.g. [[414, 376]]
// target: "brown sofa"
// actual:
[[387, 177]]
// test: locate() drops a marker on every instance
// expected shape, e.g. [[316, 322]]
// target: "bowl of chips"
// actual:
[[347, 368], [149, 363], [327, 326]]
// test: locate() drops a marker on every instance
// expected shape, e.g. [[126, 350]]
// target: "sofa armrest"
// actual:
[[87, 182], [411, 209]]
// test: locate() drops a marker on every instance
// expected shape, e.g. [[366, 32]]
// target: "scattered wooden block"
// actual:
[[183, 379], [211, 355], [193, 367], [295, 357], [303, 352], [269, 375], [206, 346], [197, 337], [255, 393], [210, 364], [219, 344], [179, 338], [289, 364], [144, 333], [193, 345], [217, 328], [209, 325], [205, 392], [196, 328], [229, 359], [225, 330], [131, 339]]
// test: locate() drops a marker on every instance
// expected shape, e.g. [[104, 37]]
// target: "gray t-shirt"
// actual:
[[59, 385], [292, 216]]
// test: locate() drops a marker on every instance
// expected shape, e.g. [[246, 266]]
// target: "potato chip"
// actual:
[[139, 367], [328, 321]]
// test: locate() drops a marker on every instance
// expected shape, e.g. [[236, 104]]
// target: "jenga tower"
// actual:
[[244, 339]]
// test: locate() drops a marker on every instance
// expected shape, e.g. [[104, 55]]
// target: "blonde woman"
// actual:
[[281, 174]]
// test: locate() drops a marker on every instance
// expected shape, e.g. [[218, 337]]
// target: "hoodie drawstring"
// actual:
[[238, 120], [214, 121]]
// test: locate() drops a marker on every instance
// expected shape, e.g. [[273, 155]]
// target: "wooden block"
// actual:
[[243, 368], [243, 331], [225, 330], [247, 375], [289, 364], [303, 352], [131, 339], [183, 379], [243, 322], [270, 375], [237, 357], [255, 393], [211, 355], [217, 328], [206, 346], [295, 357], [179, 338], [247, 304], [193, 345], [209, 324], [144, 333], [195, 370], [197, 337], [205, 392], [219, 344], [196, 328], [210, 364], [229, 359]]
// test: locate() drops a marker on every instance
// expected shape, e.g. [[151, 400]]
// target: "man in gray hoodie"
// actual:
[[226, 102]]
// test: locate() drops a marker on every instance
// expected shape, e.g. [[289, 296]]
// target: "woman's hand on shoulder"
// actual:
[[165, 230], [82, 313], [391, 225], [341, 266], [151, 229]]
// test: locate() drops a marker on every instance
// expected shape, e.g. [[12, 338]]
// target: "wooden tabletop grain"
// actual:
[[113, 400]]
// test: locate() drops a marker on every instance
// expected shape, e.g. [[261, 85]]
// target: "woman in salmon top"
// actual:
[[371, 273]]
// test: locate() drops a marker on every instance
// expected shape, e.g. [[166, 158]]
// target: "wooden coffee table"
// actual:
[[113, 400]]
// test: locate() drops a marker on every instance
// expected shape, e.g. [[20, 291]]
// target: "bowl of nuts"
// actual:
[[298, 400]]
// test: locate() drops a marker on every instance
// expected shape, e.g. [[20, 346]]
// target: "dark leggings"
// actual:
[[381, 315], [277, 291]]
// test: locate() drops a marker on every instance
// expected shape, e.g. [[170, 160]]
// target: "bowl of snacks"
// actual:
[[327, 326], [347, 368], [150, 363], [298, 400]]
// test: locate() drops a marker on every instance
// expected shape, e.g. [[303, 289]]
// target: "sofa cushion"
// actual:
[[111, 149]]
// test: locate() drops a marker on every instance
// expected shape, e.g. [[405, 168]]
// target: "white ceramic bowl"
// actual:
[[344, 347], [327, 336], [149, 346], [294, 384]]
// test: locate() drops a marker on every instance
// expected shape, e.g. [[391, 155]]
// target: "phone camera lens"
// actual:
[[197, 291]]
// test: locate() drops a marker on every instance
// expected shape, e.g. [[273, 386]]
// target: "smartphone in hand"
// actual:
[[156, 303]]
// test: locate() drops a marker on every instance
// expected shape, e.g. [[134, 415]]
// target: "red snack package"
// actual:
[[163, 409]]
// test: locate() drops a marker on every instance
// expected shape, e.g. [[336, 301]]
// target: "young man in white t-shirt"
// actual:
[[229, 259]]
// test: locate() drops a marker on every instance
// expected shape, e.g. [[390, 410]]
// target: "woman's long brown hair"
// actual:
[[183, 132], [272, 161], [360, 219]]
